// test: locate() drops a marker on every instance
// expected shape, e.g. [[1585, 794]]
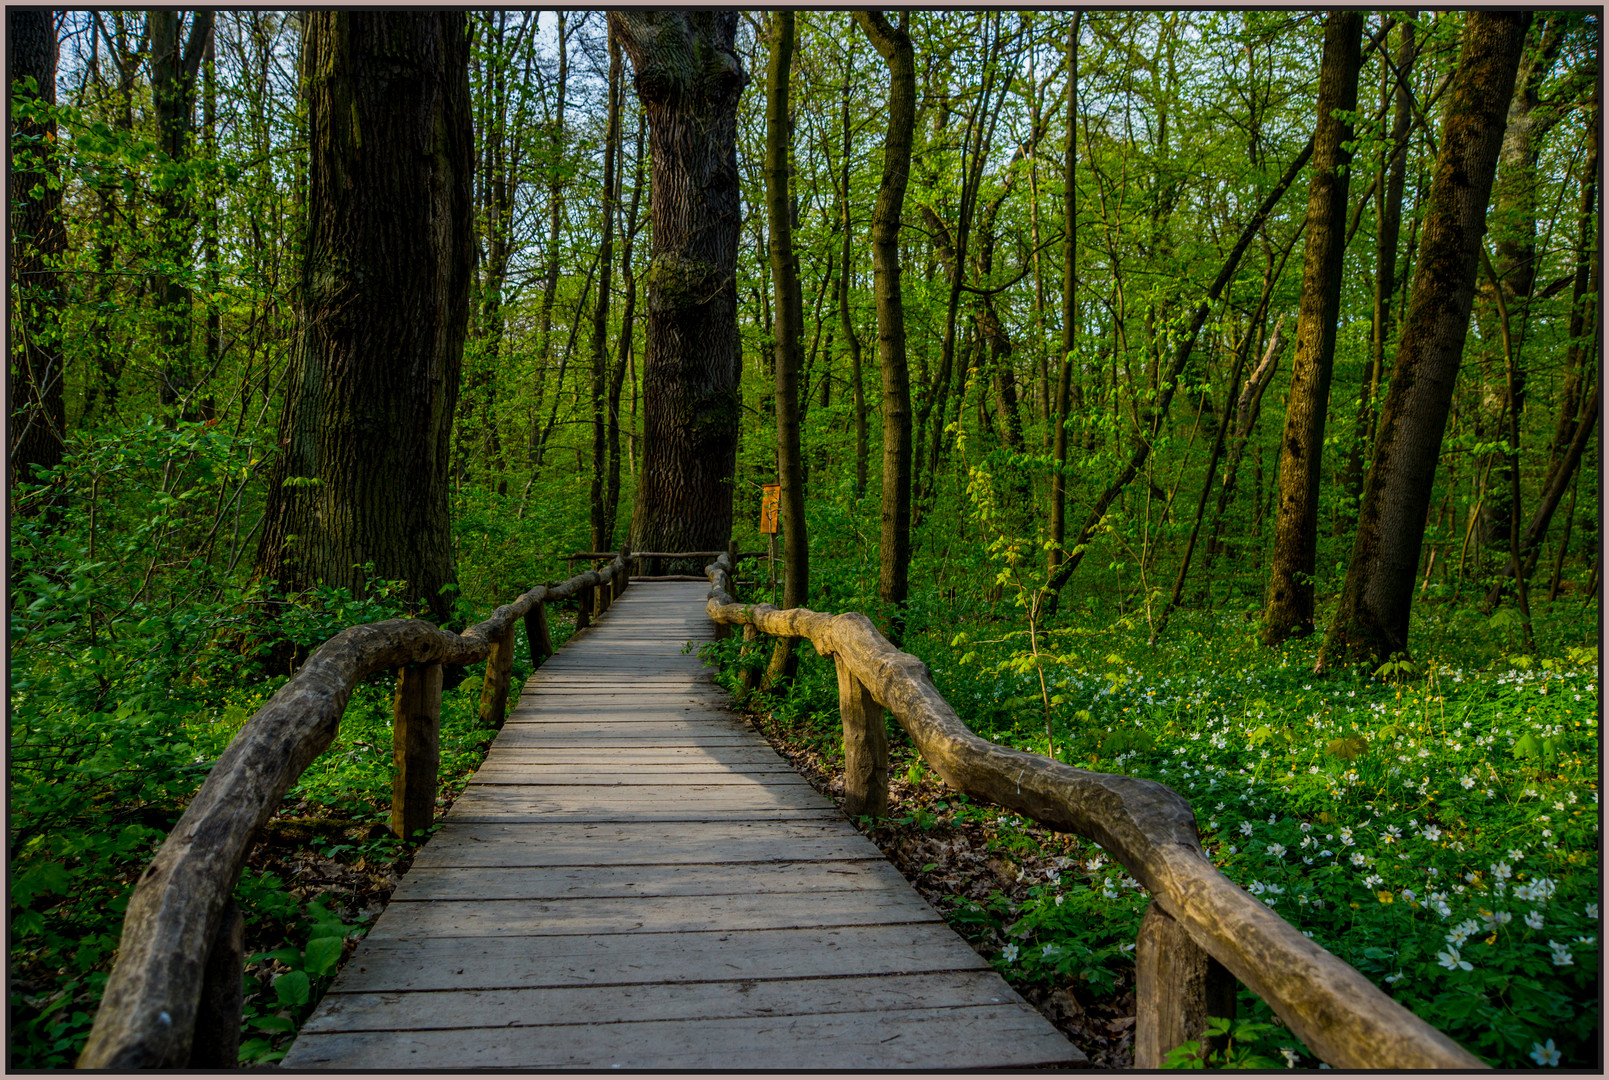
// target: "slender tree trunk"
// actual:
[[1388, 223], [857, 382], [1066, 396], [894, 45], [689, 78], [1588, 275], [600, 313], [789, 329], [363, 474], [628, 314], [38, 414], [550, 276], [1373, 615], [1288, 610], [174, 65]]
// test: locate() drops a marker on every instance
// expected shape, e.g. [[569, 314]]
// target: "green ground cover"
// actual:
[[1434, 823]]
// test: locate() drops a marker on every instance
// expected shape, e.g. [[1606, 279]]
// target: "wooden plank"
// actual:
[[974, 1037], [620, 844], [705, 879], [411, 921], [744, 758], [690, 802], [688, 1001], [579, 960], [521, 775]]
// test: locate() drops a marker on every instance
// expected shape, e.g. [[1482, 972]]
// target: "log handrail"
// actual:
[[1145, 826], [182, 905]]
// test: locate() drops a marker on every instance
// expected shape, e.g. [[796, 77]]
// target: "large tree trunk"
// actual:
[[600, 313], [1372, 618], [362, 476], [894, 548], [785, 281], [38, 417], [623, 353], [1288, 610], [689, 78]]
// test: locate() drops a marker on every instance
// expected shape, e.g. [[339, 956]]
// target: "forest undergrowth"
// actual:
[[1433, 823]]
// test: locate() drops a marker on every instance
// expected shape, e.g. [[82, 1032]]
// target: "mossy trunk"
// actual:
[[1372, 619], [1288, 609], [362, 476], [689, 78]]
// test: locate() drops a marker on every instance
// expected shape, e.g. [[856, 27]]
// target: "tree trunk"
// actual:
[[362, 477], [689, 78], [174, 64], [1288, 610], [857, 384], [1388, 226], [1373, 616], [38, 415], [789, 329], [1069, 308], [894, 548], [550, 275], [628, 318], [600, 313]]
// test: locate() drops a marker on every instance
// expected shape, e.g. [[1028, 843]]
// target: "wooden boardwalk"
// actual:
[[635, 879]]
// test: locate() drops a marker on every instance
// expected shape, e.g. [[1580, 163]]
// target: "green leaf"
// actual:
[[323, 954], [293, 988]]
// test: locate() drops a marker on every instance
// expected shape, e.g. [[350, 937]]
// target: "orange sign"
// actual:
[[769, 503]]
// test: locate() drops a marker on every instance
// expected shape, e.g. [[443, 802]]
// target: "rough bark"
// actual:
[[1288, 609], [362, 477], [688, 78], [38, 415], [894, 546], [1373, 615], [1147, 827]]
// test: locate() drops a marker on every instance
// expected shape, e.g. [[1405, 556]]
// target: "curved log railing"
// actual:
[[1198, 919], [173, 998]]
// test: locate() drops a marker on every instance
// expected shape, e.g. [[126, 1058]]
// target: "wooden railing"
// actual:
[[1201, 930], [174, 996]]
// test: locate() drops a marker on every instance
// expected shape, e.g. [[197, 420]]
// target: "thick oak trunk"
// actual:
[[688, 77], [362, 476]]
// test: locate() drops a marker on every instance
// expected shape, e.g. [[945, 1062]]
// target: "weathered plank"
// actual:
[[525, 1007], [621, 844], [700, 879], [651, 915], [969, 1037]]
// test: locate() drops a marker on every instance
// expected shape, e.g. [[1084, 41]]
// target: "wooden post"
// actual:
[[416, 748], [216, 1042], [751, 634], [583, 608], [1177, 986], [536, 634], [601, 598], [494, 691], [865, 747]]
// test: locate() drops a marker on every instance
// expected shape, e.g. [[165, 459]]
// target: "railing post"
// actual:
[[865, 747], [494, 691], [583, 608], [536, 634], [216, 1041], [416, 748], [751, 634], [603, 596], [1177, 986]]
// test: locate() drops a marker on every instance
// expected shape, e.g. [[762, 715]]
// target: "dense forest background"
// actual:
[[159, 222]]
